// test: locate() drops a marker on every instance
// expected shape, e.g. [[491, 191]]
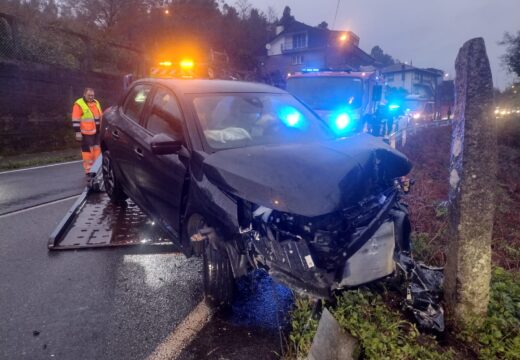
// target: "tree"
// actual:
[[107, 15], [323, 25], [50, 10], [271, 15], [287, 18], [243, 8], [384, 59], [512, 56]]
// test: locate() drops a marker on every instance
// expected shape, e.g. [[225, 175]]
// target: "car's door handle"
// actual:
[[139, 152], [115, 134]]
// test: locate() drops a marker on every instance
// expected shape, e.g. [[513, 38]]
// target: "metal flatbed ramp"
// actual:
[[94, 221]]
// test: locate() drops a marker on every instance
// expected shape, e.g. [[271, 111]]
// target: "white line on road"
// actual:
[[172, 346], [38, 206], [39, 167]]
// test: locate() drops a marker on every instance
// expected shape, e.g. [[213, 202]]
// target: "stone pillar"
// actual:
[[472, 181]]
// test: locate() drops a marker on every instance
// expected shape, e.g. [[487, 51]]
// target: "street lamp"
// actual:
[[343, 38], [167, 12]]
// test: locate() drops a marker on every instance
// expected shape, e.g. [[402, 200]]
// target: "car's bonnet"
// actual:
[[306, 179]]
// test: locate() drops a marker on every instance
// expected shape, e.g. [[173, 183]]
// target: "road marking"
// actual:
[[16, 212], [178, 340], [40, 167]]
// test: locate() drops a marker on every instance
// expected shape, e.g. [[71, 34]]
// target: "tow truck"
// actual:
[[94, 221]]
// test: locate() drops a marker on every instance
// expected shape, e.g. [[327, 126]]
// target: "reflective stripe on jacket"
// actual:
[[88, 121]]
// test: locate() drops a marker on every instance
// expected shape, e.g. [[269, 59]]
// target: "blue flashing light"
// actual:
[[393, 107], [310, 70], [342, 121], [291, 117]]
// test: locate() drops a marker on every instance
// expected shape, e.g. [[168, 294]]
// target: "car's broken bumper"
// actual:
[[316, 256]]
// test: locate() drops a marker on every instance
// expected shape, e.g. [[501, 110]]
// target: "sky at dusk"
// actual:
[[427, 32]]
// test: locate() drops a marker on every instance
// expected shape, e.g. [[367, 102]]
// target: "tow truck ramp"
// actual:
[[94, 221]]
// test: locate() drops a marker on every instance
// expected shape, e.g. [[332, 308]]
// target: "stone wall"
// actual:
[[36, 102]]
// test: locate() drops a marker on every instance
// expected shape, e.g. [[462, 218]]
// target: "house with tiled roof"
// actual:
[[297, 46]]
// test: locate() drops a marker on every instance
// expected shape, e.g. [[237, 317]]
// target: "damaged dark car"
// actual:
[[248, 177]]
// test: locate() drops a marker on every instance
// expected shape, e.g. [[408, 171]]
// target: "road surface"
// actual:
[[123, 303]]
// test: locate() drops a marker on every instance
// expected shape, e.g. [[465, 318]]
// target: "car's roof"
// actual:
[[197, 86]]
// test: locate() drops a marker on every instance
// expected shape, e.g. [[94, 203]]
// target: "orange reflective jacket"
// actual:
[[87, 115]]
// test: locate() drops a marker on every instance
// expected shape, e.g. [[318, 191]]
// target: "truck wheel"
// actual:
[[112, 186], [218, 277]]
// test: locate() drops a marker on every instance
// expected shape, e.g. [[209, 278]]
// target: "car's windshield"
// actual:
[[247, 119], [327, 92]]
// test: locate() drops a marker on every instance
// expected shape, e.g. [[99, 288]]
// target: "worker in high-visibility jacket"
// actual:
[[86, 115]]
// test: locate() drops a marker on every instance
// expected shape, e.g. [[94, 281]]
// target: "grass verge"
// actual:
[[384, 332], [373, 315], [38, 159]]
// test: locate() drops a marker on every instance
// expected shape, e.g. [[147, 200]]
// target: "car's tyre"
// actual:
[[112, 186], [219, 283]]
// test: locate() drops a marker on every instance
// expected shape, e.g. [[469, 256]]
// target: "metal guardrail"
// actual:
[[398, 138]]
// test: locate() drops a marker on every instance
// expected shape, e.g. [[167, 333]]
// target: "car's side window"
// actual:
[[165, 115], [134, 102]]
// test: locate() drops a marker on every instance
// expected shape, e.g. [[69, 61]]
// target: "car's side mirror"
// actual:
[[163, 144]]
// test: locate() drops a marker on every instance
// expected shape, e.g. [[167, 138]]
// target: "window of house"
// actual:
[[299, 41], [390, 77], [134, 102], [297, 59], [165, 116], [416, 76]]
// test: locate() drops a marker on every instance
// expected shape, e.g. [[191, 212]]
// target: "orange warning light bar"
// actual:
[[186, 64]]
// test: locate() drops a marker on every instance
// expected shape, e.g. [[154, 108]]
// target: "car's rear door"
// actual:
[[162, 177], [124, 134]]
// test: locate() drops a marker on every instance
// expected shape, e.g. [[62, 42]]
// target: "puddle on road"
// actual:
[[260, 302], [254, 327]]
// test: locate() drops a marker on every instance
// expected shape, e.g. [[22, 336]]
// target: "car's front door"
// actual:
[[162, 177], [124, 134]]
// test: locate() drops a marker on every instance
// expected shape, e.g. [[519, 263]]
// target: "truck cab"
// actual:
[[344, 99]]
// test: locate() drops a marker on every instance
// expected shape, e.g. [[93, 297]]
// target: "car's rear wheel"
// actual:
[[218, 277], [113, 187]]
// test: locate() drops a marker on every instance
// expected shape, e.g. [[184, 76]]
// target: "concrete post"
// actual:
[[472, 181]]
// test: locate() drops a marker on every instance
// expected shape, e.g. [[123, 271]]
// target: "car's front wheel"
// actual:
[[113, 187], [218, 277]]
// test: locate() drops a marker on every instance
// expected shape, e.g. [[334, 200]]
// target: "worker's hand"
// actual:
[[79, 137]]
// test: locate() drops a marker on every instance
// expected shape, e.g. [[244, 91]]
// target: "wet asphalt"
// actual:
[[117, 303], [26, 188]]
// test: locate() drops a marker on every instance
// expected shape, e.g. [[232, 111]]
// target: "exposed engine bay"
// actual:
[[316, 255]]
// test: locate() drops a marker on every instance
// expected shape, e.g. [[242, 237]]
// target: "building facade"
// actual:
[[297, 46], [416, 81]]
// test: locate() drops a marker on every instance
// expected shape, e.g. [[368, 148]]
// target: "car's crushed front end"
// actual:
[[327, 216], [315, 255]]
